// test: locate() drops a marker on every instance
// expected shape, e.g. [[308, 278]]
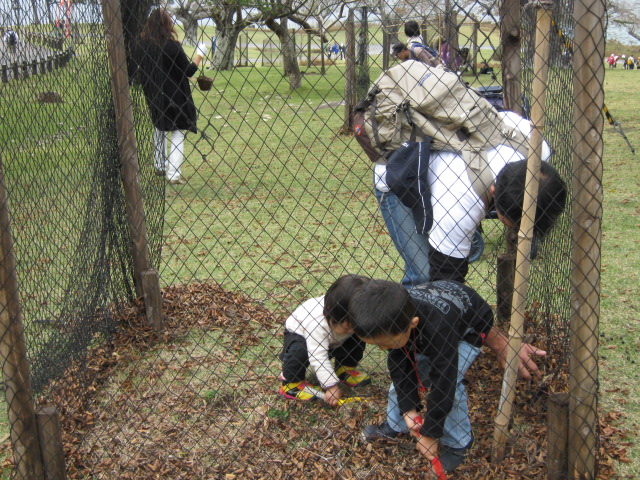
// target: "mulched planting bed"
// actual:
[[174, 406]]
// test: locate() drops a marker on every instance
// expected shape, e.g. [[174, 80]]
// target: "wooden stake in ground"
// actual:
[[13, 352], [525, 235], [590, 21], [146, 279]]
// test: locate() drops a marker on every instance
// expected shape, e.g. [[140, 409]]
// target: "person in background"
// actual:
[[11, 40], [401, 52], [631, 62], [335, 50], [416, 46], [164, 70]]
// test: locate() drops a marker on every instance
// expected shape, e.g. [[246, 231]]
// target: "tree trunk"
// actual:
[[510, 15], [190, 25], [363, 79], [34, 7], [289, 60], [225, 46]]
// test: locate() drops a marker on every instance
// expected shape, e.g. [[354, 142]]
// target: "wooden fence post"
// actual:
[[590, 18], [50, 435], [510, 13], [129, 159], [15, 370], [505, 273], [473, 54], [557, 435], [349, 73]]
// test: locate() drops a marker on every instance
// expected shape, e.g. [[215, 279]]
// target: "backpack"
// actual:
[[413, 102], [428, 55]]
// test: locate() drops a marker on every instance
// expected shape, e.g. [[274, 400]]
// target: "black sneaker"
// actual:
[[383, 431], [451, 458]]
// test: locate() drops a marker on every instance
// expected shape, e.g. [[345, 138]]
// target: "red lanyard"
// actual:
[[414, 361]]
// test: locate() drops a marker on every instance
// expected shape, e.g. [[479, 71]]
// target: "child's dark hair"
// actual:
[[509, 195], [380, 308], [338, 297], [411, 28]]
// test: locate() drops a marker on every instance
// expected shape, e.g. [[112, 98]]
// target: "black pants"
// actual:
[[295, 356], [444, 267]]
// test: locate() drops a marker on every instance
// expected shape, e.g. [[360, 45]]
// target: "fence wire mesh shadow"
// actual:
[[256, 198]]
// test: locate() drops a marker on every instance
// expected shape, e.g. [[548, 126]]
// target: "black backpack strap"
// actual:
[[405, 108]]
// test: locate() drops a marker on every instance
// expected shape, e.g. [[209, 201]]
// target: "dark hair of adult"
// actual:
[[509, 195], [159, 28], [397, 48], [411, 29], [338, 297], [381, 308]]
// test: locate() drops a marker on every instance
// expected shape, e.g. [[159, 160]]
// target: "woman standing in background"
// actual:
[[164, 73]]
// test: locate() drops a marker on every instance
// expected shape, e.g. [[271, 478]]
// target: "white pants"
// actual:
[[173, 163]]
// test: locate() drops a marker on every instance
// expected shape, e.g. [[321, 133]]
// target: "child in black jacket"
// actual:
[[433, 333]]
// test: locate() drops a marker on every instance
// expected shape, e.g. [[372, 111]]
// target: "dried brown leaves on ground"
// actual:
[[199, 401]]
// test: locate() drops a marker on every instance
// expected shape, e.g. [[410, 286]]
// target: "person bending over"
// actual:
[[433, 333]]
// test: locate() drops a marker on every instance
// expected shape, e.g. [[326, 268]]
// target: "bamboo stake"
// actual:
[[525, 235], [589, 75]]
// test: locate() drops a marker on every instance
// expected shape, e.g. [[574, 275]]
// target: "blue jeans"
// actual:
[[457, 426], [412, 247]]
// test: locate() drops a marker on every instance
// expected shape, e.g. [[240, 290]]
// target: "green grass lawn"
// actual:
[[620, 295]]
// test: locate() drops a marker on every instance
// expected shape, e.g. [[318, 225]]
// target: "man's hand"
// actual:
[[527, 368], [332, 395]]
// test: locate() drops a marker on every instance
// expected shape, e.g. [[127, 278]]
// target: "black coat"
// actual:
[[164, 72]]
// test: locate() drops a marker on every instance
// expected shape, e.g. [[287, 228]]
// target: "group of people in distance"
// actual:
[[628, 63], [432, 324], [335, 50]]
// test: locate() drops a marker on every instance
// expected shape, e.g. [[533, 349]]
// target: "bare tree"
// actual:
[[625, 14], [302, 13], [188, 12], [289, 60]]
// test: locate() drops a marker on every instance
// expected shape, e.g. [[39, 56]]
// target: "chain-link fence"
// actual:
[[221, 154]]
